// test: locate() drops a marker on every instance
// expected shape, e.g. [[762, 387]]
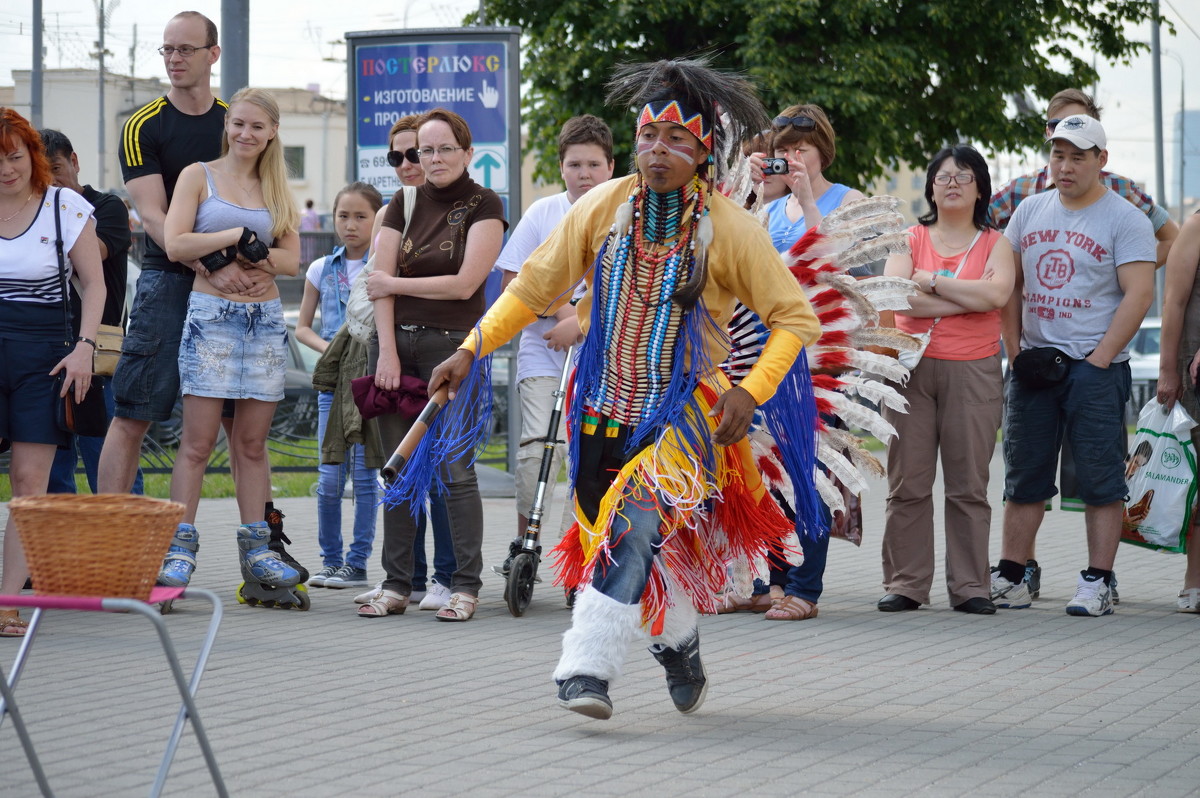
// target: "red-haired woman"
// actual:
[[34, 346]]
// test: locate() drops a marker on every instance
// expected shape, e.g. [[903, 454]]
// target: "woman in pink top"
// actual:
[[964, 271]]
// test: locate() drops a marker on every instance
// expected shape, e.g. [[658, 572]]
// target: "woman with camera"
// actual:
[[428, 292], [965, 274], [235, 212], [804, 144], [35, 349]]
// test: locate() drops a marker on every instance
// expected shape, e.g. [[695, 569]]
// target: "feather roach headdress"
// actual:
[[720, 108]]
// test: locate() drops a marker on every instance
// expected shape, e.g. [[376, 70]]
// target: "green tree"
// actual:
[[898, 78]]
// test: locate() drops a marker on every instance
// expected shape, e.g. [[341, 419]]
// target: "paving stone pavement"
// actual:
[[854, 702]]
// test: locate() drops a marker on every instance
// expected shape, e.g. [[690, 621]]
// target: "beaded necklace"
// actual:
[[637, 271]]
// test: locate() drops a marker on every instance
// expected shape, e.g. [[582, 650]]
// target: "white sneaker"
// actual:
[[436, 597], [1008, 596], [1092, 597], [1189, 600], [370, 595]]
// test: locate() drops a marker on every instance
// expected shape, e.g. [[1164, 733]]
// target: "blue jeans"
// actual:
[[443, 547], [635, 537], [331, 483], [62, 472]]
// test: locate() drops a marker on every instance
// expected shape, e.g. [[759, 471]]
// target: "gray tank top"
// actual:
[[216, 214]]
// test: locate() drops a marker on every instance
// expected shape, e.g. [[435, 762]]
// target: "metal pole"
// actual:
[[235, 46], [100, 143], [1156, 68], [35, 75]]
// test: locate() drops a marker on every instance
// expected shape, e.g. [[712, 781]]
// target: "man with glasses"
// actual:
[[1085, 279], [157, 142], [1070, 102]]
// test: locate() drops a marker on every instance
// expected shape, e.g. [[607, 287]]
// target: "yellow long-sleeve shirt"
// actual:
[[742, 265]]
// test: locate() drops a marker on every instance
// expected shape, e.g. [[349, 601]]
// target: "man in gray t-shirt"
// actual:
[[1085, 279]]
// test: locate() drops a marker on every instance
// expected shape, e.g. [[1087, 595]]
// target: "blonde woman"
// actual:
[[234, 213]]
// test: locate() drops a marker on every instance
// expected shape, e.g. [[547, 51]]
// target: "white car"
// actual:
[[1143, 351]]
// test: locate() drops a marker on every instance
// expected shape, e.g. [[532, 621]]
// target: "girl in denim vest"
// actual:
[[327, 286]]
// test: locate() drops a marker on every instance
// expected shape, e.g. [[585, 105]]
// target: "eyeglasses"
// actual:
[[396, 157], [960, 179], [425, 153], [800, 122], [184, 50]]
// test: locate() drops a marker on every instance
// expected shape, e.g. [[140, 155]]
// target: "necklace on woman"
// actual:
[[18, 212], [249, 192], [945, 244]]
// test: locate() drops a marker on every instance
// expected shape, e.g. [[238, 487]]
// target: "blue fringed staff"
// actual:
[[391, 469]]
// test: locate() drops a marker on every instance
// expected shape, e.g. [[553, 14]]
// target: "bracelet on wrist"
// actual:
[[81, 339], [933, 285]]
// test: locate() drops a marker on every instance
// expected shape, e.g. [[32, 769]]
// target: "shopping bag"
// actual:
[[1161, 476]]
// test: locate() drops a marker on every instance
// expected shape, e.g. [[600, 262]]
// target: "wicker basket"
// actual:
[[106, 545]]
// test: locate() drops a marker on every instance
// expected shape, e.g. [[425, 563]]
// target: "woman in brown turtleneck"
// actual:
[[428, 293]]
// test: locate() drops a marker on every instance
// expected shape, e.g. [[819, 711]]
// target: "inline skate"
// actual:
[[269, 581], [180, 562], [275, 524]]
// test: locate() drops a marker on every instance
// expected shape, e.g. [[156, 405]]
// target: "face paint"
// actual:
[[673, 144]]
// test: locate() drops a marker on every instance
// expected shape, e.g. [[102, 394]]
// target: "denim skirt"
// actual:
[[233, 350]]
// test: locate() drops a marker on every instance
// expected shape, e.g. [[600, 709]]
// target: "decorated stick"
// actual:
[[391, 470]]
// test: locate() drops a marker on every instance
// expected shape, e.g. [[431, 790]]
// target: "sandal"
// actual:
[[387, 602], [792, 608], [11, 624], [732, 602], [460, 608], [1189, 600]]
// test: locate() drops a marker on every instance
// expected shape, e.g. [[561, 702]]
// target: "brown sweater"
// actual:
[[435, 244]]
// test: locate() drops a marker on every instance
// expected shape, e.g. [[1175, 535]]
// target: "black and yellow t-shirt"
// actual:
[[159, 139]]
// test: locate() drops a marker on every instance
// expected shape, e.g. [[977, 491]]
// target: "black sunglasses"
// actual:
[[1052, 123], [395, 157], [801, 122]]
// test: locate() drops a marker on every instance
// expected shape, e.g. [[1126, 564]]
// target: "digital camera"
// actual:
[[775, 166]]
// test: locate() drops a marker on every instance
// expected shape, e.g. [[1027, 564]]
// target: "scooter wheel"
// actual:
[[518, 591]]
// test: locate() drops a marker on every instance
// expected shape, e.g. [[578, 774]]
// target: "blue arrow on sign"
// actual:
[[486, 164]]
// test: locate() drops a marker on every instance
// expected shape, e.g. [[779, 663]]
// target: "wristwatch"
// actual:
[[933, 284]]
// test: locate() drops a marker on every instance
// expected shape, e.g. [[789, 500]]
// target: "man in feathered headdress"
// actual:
[[665, 484]]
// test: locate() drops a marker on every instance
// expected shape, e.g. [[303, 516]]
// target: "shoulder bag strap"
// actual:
[[62, 269], [410, 201]]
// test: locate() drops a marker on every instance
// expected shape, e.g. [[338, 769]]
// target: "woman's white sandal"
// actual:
[[460, 608], [388, 602]]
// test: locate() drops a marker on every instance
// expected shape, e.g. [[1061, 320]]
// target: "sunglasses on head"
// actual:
[[801, 122], [395, 157], [1052, 123]]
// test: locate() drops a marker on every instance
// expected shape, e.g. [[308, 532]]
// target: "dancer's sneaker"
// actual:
[[586, 695], [687, 681]]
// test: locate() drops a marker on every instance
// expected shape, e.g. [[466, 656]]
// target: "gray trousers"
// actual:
[[420, 351]]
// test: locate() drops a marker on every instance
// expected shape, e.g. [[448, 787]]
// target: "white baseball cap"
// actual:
[[1082, 131]]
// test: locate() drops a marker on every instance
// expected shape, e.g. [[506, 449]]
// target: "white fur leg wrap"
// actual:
[[598, 640], [680, 622]]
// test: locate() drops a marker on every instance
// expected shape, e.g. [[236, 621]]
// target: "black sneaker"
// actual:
[[1033, 576], [687, 680], [586, 695]]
